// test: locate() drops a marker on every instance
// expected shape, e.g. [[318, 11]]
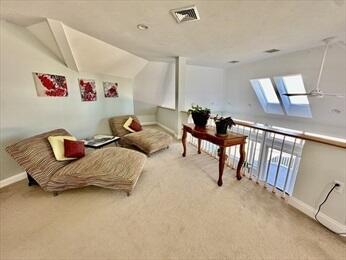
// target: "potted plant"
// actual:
[[222, 124], [200, 115]]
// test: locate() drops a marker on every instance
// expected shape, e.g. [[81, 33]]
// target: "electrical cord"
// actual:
[[320, 206]]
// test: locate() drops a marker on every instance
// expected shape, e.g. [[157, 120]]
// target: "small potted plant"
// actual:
[[222, 124], [199, 115]]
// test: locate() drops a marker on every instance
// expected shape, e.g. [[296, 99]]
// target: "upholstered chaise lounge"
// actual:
[[148, 140], [114, 168]]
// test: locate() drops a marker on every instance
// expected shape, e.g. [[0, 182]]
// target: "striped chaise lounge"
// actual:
[[113, 168], [148, 140]]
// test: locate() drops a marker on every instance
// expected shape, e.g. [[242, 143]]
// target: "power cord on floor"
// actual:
[[319, 208]]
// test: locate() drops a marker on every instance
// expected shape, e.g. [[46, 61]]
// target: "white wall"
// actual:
[[153, 87], [167, 118], [242, 102], [23, 113], [205, 87], [168, 88], [320, 166]]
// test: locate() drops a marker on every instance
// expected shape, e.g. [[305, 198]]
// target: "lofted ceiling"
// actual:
[[228, 30], [81, 52]]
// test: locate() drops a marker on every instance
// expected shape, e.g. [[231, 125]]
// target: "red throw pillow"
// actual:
[[74, 149], [135, 125]]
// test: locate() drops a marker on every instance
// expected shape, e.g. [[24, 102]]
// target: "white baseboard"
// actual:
[[167, 129], [323, 218], [12, 179]]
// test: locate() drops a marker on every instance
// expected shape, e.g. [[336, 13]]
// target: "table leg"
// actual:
[[183, 140], [199, 146], [241, 160], [222, 158]]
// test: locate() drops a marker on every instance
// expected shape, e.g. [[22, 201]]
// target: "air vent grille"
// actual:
[[271, 50], [185, 14]]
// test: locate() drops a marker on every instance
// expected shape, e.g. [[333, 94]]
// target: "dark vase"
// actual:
[[221, 128], [200, 119], [222, 125]]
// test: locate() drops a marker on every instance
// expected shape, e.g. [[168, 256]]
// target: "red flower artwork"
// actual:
[[87, 90], [50, 85], [110, 89]]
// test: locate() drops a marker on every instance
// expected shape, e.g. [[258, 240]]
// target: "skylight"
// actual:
[[295, 84], [268, 91], [267, 96], [293, 105]]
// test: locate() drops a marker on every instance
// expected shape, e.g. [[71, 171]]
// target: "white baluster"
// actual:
[[289, 169], [269, 162], [279, 164], [260, 159], [253, 155], [247, 152]]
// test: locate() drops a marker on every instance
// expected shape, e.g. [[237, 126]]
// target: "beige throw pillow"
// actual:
[[127, 125], [57, 144]]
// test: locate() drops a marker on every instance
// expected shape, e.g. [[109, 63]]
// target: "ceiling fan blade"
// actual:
[[333, 95], [295, 94]]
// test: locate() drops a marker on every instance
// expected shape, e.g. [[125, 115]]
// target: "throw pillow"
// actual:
[[135, 125], [57, 144], [74, 149], [127, 125]]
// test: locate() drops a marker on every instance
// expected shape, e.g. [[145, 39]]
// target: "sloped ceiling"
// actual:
[[228, 30], [82, 52], [43, 32], [97, 56]]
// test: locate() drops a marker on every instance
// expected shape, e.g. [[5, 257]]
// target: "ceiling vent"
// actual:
[[185, 14], [271, 50]]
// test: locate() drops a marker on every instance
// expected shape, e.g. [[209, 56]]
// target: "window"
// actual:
[[268, 91], [267, 95], [294, 84], [296, 105], [282, 177], [273, 100]]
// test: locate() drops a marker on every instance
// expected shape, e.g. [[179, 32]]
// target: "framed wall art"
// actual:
[[49, 85], [87, 89], [110, 89]]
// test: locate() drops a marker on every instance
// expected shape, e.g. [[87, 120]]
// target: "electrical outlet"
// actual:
[[340, 188]]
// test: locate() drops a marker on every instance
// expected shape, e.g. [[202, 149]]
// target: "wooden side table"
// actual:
[[209, 134]]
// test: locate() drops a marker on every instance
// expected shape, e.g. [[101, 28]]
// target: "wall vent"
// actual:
[[186, 14]]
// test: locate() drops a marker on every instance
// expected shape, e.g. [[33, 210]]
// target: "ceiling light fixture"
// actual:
[[271, 50], [142, 27]]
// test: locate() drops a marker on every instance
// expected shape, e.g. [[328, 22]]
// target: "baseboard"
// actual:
[[310, 211], [12, 179], [168, 129]]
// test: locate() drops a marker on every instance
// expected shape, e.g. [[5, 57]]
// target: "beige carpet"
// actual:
[[176, 212]]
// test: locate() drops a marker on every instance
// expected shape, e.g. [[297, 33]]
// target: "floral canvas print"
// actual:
[[110, 89], [48, 85], [87, 89]]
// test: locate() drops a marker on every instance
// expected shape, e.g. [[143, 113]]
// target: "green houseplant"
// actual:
[[222, 124], [199, 115]]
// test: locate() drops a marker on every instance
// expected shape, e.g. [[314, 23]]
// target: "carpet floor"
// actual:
[[176, 211]]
